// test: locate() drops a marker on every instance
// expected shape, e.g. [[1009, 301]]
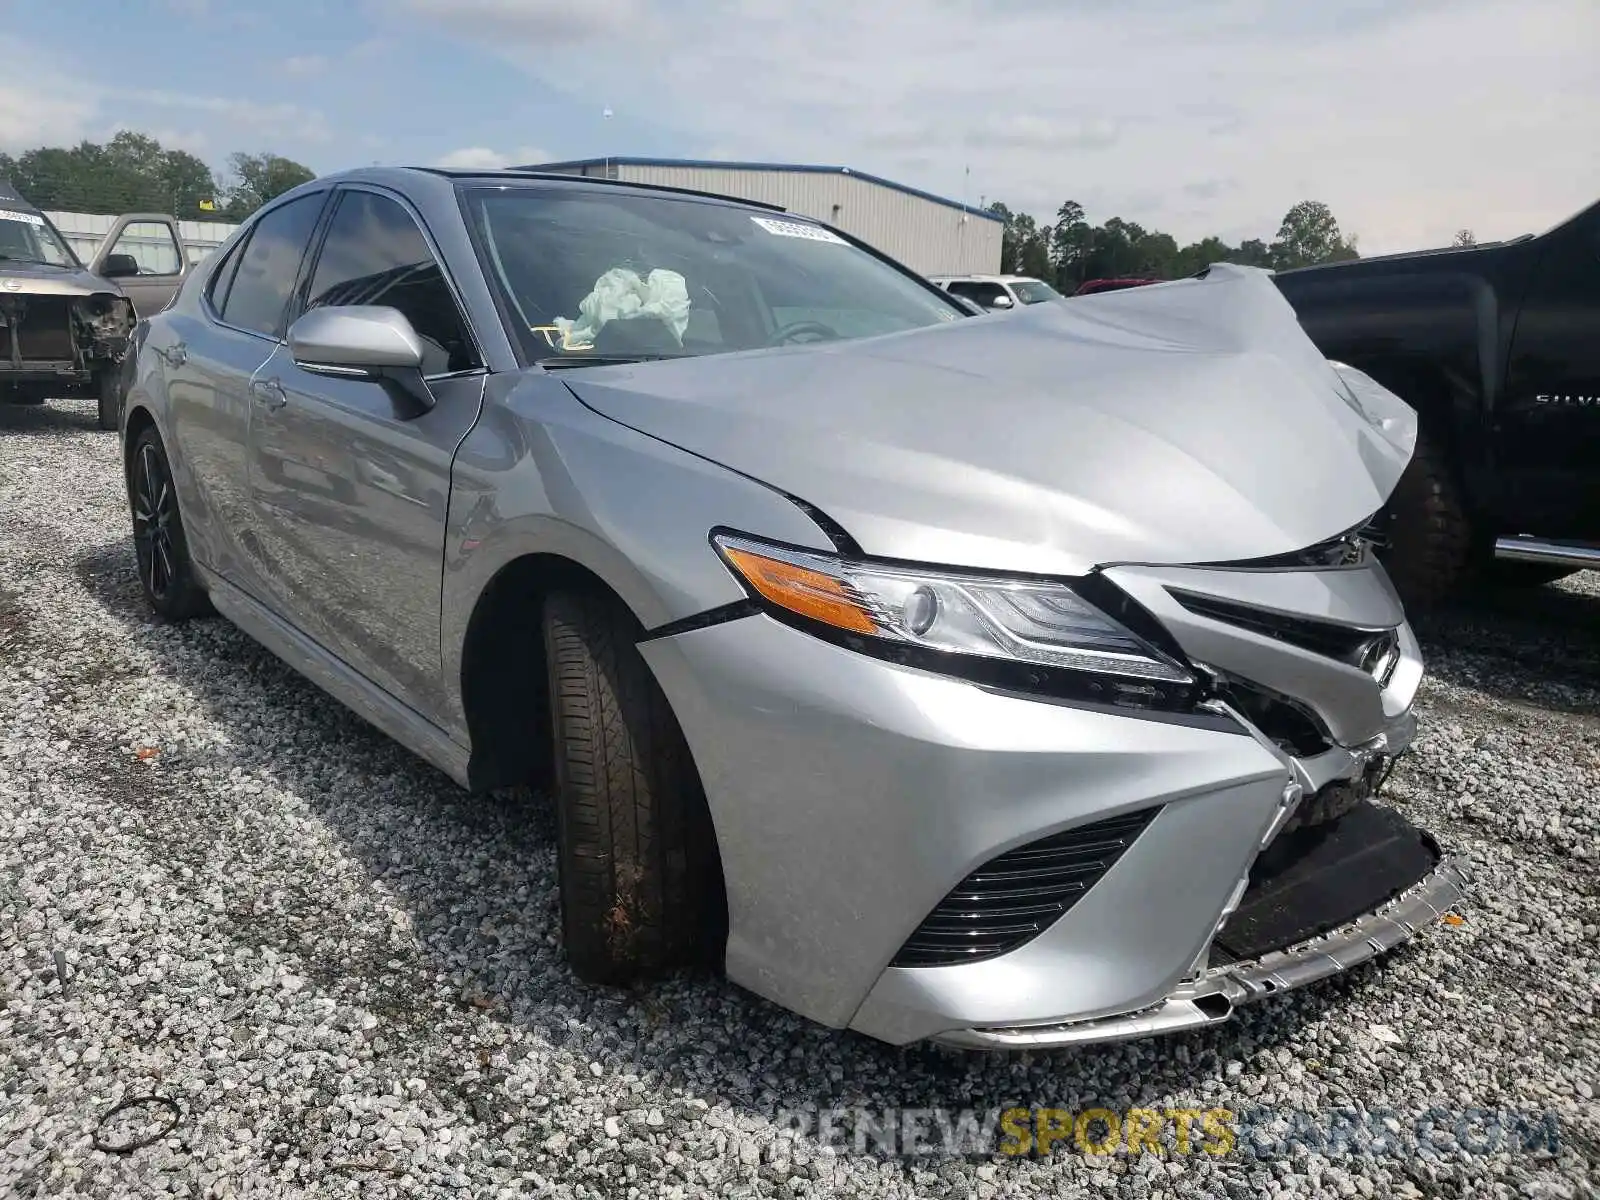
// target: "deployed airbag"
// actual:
[[620, 295]]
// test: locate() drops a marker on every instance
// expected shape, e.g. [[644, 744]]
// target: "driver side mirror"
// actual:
[[369, 341], [1001, 301], [119, 266]]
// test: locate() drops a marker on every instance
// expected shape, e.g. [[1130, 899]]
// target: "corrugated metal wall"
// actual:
[[931, 238], [85, 231]]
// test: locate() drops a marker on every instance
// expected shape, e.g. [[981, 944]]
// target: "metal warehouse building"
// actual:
[[928, 233]]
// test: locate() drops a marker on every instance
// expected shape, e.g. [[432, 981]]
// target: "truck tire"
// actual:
[[641, 887], [108, 395], [1434, 550], [161, 549]]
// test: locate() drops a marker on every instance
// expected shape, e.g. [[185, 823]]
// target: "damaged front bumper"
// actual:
[[61, 339], [1211, 996], [917, 857], [1317, 901]]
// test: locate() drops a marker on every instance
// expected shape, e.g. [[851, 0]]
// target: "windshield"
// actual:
[[1031, 291], [27, 237], [593, 275]]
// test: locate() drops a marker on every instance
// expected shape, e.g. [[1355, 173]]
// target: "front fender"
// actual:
[[541, 474]]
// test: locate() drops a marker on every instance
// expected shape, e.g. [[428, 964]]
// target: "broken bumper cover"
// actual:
[[52, 338], [1211, 997]]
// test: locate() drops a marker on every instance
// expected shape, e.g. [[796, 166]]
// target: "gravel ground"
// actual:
[[219, 887]]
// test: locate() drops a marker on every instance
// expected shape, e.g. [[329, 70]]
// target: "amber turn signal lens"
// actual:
[[800, 590]]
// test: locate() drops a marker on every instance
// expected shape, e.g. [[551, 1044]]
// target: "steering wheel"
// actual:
[[799, 329]]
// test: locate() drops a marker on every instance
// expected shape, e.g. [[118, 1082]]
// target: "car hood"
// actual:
[[1178, 423], [43, 279]]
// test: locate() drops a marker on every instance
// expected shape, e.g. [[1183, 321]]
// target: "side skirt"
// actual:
[[357, 693]]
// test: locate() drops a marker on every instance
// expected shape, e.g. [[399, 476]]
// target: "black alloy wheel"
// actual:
[[159, 543]]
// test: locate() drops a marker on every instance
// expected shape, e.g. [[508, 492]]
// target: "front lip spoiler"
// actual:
[[1211, 997]]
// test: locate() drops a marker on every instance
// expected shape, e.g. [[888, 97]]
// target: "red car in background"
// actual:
[[1090, 286]]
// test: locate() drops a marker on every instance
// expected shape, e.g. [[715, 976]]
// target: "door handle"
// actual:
[[269, 392], [176, 354]]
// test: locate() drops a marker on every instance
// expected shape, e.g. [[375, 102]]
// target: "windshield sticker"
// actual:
[[799, 229], [7, 214]]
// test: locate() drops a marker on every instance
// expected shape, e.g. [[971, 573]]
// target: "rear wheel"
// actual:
[[641, 888], [165, 570], [1434, 549]]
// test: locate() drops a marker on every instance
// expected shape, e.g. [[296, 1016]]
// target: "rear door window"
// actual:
[[258, 298], [222, 279]]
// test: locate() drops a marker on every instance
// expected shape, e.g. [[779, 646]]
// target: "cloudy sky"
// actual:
[[1411, 118]]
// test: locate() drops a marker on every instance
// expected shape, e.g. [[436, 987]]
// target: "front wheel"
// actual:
[[1433, 545], [641, 887], [160, 547], [108, 396]]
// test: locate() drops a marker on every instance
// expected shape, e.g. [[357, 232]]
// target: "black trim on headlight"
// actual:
[[1060, 683]]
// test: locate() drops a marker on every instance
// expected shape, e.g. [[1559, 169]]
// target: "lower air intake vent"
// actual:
[[1012, 899]]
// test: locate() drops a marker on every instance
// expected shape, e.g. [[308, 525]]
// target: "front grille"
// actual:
[[1290, 724], [1012, 899], [1374, 651]]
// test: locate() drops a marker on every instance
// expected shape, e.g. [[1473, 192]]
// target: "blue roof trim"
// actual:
[[804, 168]]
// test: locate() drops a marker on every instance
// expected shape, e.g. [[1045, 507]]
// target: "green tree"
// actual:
[[1197, 256], [1069, 244], [1252, 252], [258, 178], [1308, 235], [131, 172], [1070, 250]]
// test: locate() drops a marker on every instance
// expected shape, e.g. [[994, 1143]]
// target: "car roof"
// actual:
[[505, 177], [989, 278]]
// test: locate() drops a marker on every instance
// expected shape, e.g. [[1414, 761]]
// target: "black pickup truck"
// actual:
[[1497, 347]]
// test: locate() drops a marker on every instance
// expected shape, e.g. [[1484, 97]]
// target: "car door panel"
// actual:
[[350, 475], [350, 484], [207, 369], [1549, 419], [153, 241]]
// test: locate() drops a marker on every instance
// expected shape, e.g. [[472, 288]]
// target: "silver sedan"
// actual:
[[1004, 683]]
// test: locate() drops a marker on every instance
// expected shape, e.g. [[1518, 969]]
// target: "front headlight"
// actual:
[[1044, 629]]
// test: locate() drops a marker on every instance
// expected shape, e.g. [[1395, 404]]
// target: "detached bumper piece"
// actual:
[[1323, 877], [1318, 902]]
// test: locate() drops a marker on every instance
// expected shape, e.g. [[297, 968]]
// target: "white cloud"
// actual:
[[254, 117], [25, 122], [301, 65], [44, 102], [482, 158], [474, 158], [546, 22], [1409, 120]]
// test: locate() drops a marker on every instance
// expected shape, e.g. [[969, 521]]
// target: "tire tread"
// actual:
[[627, 798]]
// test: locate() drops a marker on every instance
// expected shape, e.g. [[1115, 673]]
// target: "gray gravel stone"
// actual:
[[348, 974]]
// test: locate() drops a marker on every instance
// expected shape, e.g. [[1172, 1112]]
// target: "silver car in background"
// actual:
[[1005, 683]]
